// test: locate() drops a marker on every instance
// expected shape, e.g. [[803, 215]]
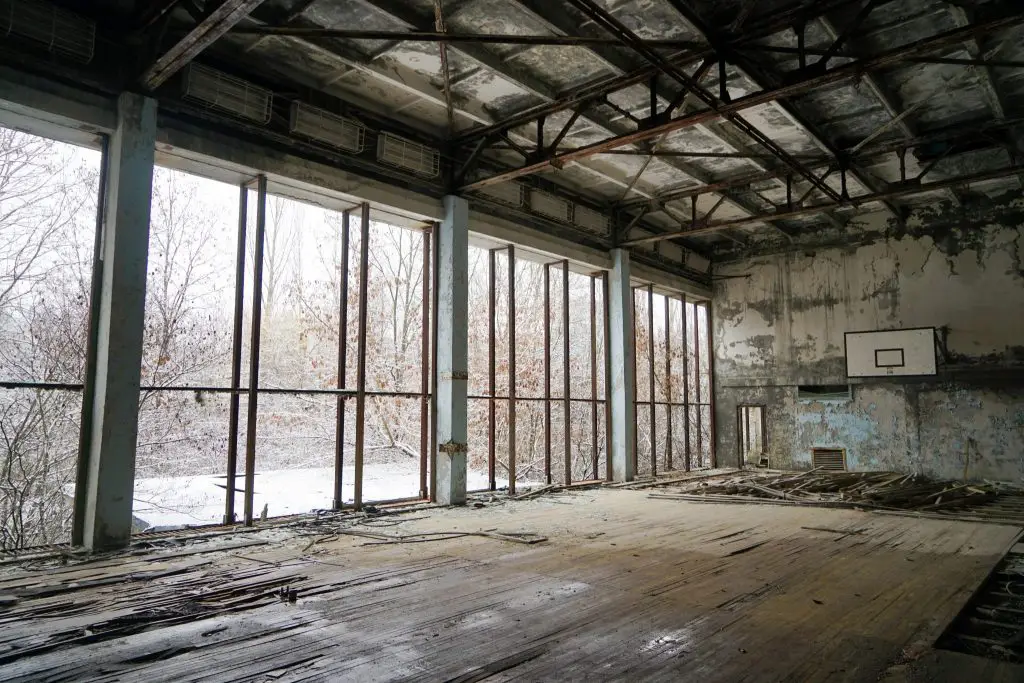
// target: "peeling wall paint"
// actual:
[[780, 322]]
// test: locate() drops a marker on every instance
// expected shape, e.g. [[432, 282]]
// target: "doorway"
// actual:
[[753, 439]]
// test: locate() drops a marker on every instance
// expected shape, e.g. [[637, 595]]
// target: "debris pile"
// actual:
[[872, 490]]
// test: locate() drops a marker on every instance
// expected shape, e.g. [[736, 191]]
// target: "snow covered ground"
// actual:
[[199, 500]]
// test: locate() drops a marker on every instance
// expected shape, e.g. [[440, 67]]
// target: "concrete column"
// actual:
[[107, 475], [452, 341], [620, 348]]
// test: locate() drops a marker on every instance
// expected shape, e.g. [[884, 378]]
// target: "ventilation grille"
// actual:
[[508, 193], [550, 205], [227, 93], [590, 220], [409, 155], [324, 126], [56, 30], [830, 459]]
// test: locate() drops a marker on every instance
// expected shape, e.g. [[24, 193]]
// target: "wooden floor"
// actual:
[[625, 588]]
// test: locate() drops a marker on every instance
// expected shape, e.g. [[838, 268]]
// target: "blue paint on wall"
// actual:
[[842, 425]]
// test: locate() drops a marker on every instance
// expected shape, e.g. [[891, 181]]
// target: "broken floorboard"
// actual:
[[625, 588]]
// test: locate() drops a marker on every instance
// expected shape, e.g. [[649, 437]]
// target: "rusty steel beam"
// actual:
[[901, 190], [339, 408], [491, 375], [593, 376], [425, 369], [547, 373], [236, 354], [650, 379], [216, 24], [468, 38], [254, 347], [511, 369], [807, 83], [364, 262], [636, 400], [668, 383], [686, 388], [711, 389], [672, 154], [696, 377], [434, 271], [566, 386], [607, 375]]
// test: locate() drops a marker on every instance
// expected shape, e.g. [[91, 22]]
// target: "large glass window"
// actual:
[[673, 383], [557, 347], [48, 198], [186, 354], [309, 276]]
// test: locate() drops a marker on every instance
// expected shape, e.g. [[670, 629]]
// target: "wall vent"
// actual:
[[319, 124], [507, 193], [830, 459], [227, 93], [49, 27], [824, 392], [590, 220], [412, 156], [550, 205]]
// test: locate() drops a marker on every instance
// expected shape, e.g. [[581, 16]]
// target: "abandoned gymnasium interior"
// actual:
[[493, 340]]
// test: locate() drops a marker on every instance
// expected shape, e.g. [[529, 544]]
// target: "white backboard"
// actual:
[[891, 353]]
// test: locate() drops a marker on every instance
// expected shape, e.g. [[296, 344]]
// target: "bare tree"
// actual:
[[186, 337], [47, 204], [281, 253]]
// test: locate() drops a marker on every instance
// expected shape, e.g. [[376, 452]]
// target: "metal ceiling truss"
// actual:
[[589, 92], [549, 155], [688, 103], [205, 33], [691, 88], [896, 191], [765, 80], [403, 14], [744, 181], [797, 84]]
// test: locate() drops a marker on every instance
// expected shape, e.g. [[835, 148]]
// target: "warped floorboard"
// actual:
[[625, 588]]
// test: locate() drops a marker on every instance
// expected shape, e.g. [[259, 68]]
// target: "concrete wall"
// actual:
[[780, 322]]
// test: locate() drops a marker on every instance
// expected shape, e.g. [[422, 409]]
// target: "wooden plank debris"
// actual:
[[868, 490]]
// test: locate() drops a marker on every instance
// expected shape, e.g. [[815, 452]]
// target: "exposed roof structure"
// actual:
[[679, 126]]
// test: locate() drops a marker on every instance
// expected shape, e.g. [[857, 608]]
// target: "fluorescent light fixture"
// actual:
[[227, 93], [590, 220], [48, 27], [412, 156], [550, 205], [319, 124], [506, 193]]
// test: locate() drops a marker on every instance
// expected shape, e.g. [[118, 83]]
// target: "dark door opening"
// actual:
[[753, 438]]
